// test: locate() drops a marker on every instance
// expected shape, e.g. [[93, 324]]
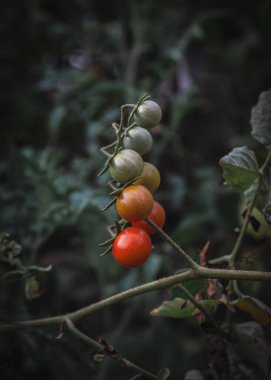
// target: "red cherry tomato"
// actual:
[[157, 215], [132, 247], [134, 203]]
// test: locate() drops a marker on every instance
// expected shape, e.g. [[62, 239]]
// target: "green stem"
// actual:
[[167, 238]]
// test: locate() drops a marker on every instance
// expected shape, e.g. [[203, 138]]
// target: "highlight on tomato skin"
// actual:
[[134, 203], [132, 247], [157, 215]]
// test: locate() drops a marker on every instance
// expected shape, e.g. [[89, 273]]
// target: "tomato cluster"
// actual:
[[134, 182]]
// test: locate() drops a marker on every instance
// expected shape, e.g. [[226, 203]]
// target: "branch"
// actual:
[[107, 350], [162, 283]]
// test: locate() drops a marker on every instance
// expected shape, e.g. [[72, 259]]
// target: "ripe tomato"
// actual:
[[132, 247], [134, 203], [157, 215], [148, 114], [138, 139], [150, 177], [126, 165]]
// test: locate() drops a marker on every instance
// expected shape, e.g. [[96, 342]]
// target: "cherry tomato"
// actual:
[[157, 215], [148, 114], [138, 139], [126, 165], [134, 203], [132, 247], [150, 177]]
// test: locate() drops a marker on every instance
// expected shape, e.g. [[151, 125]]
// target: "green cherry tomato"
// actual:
[[132, 247], [126, 165], [148, 114], [138, 139]]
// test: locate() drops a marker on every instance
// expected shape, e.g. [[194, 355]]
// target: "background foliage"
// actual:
[[66, 67]]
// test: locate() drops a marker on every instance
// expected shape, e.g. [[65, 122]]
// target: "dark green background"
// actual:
[[65, 69]]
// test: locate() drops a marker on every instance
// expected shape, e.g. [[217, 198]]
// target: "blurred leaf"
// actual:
[[180, 308], [193, 374], [257, 309], [12, 275], [8, 247], [251, 345], [240, 168], [163, 374], [32, 288], [261, 119]]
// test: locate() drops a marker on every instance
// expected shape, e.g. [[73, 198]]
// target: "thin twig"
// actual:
[[114, 353]]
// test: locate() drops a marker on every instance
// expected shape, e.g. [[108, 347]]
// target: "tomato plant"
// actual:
[[126, 165], [138, 139], [148, 114], [150, 177], [134, 203], [157, 215], [132, 247]]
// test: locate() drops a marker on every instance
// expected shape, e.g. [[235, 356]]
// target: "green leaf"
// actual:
[[193, 286], [180, 308], [261, 119], [257, 309], [163, 374], [240, 168], [32, 288]]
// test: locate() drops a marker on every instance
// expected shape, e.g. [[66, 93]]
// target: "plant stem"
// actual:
[[167, 238], [192, 299], [162, 283], [100, 347]]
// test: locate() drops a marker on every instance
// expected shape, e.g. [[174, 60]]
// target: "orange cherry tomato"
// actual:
[[134, 203]]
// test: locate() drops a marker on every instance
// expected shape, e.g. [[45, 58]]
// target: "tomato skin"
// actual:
[[157, 215], [126, 165], [150, 177], [132, 247], [148, 114], [134, 203], [138, 139]]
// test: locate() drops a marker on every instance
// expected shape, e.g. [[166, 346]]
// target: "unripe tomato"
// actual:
[[138, 139], [126, 165], [134, 203], [132, 247], [150, 177], [157, 215], [148, 114], [258, 228]]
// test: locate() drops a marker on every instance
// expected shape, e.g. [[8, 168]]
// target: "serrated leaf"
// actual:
[[163, 374], [261, 119], [257, 309], [180, 308], [193, 286], [240, 168]]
